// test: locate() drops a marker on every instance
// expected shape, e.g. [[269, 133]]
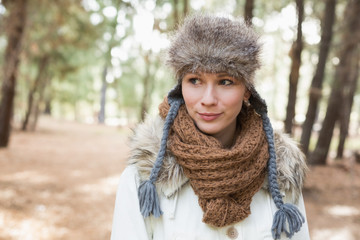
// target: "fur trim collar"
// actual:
[[144, 146]]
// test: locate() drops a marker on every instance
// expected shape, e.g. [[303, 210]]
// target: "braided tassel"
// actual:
[[288, 218], [148, 198]]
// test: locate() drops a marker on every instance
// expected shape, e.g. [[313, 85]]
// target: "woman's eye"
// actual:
[[226, 82], [194, 81]]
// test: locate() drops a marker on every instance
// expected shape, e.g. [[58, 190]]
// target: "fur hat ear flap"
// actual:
[[175, 93], [257, 102]]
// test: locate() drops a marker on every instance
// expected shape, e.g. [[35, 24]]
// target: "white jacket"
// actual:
[[182, 215]]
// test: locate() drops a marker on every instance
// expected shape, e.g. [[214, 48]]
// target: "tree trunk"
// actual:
[[112, 43], [145, 103], [295, 55], [35, 115], [186, 8], [316, 84], [176, 14], [47, 110], [15, 29], [36, 112], [350, 41], [42, 66], [249, 7], [101, 116], [345, 111]]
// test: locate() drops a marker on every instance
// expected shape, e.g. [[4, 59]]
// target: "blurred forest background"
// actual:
[[103, 62], [80, 71]]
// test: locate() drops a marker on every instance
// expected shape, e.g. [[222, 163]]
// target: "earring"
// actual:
[[247, 103]]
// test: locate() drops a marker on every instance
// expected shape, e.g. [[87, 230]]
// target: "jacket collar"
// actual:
[[144, 146]]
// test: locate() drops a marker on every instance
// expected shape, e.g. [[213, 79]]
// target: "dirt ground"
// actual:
[[60, 183]]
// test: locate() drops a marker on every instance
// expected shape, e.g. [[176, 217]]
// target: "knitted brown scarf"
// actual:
[[225, 180]]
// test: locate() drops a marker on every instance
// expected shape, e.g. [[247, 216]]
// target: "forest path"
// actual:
[[60, 183], [332, 201]]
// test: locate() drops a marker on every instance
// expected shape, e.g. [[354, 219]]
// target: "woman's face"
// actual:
[[213, 101]]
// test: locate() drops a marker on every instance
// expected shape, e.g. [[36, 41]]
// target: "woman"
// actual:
[[208, 167]]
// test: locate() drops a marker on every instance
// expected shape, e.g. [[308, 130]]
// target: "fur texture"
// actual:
[[144, 147], [215, 44], [145, 142]]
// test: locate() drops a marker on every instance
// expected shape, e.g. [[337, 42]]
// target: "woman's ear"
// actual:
[[247, 95]]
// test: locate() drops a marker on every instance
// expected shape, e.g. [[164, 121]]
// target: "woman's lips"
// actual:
[[209, 116]]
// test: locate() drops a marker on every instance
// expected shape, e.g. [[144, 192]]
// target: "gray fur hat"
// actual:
[[217, 44]]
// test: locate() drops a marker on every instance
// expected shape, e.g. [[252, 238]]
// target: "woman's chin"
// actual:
[[208, 130]]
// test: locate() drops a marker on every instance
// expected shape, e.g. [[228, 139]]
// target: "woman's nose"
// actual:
[[209, 96]]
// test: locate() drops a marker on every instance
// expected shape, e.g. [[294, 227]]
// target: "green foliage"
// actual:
[[62, 32]]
